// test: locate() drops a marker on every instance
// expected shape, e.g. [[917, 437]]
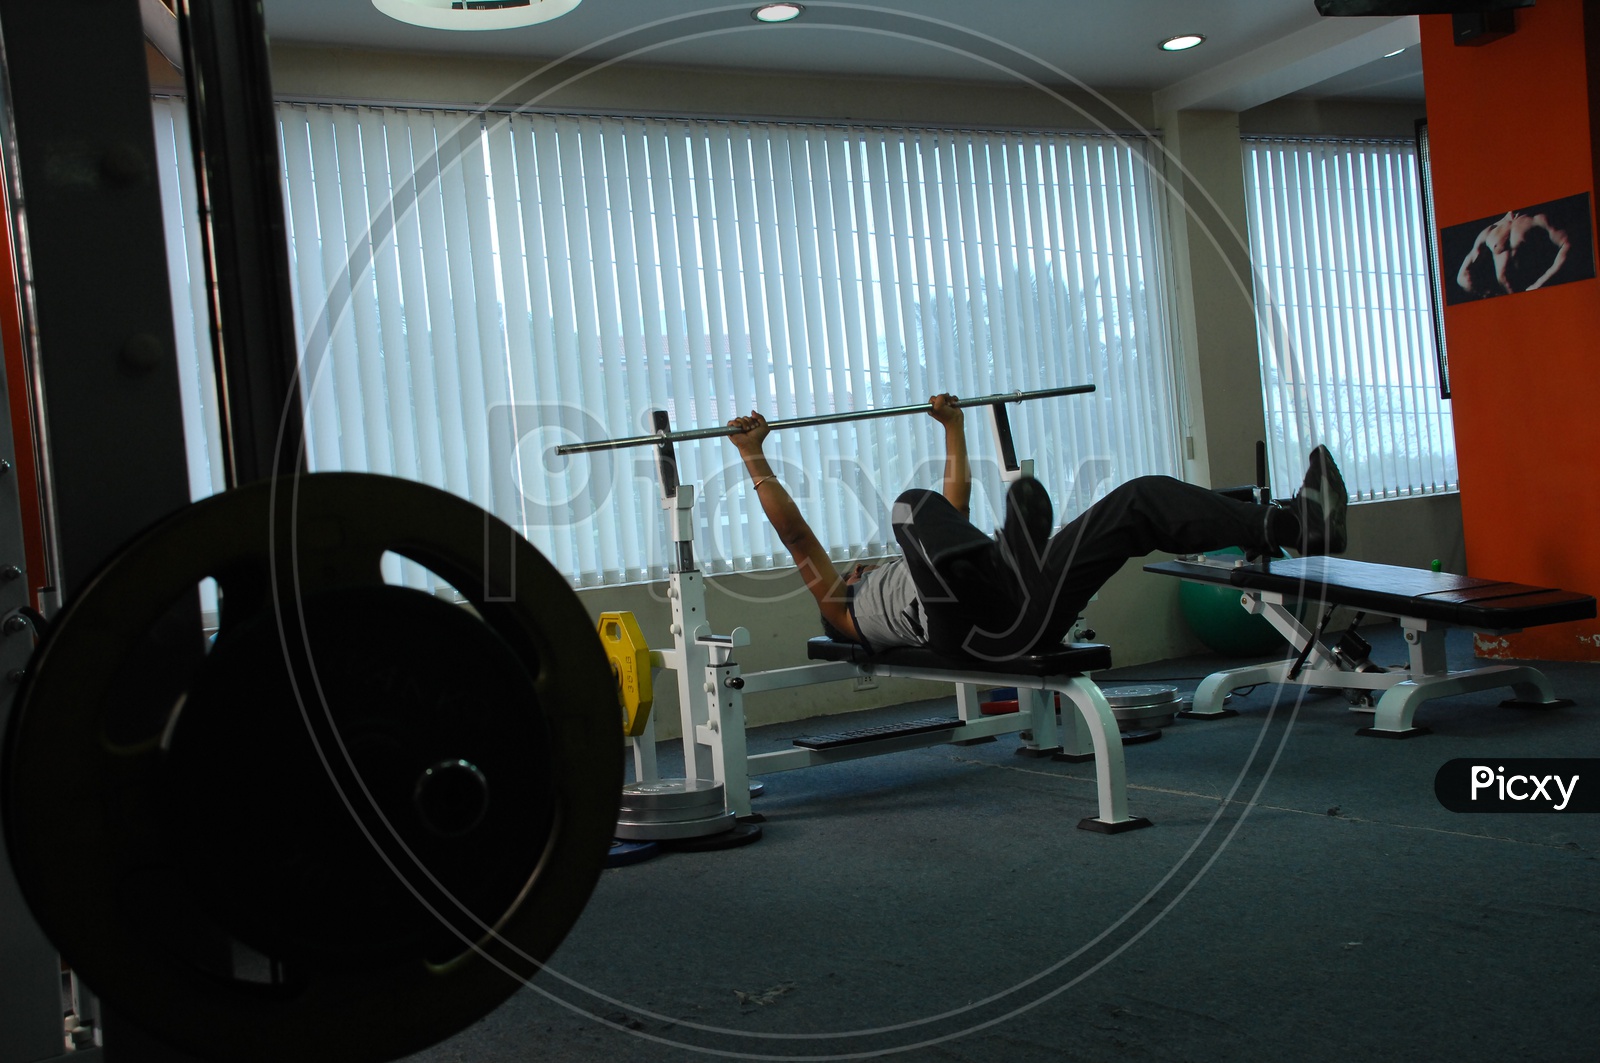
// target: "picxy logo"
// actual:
[[1499, 784], [1532, 787]]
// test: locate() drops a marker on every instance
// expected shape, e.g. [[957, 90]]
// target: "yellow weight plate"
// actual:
[[629, 654]]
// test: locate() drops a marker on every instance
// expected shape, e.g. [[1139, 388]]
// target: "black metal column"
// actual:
[[84, 177], [236, 140], [80, 165], [30, 971]]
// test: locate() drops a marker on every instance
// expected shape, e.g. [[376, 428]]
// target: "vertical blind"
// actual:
[[1345, 326], [474, 290], [186, 277]]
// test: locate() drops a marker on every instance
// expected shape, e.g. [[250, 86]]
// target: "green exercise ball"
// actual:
[[1218, 620]]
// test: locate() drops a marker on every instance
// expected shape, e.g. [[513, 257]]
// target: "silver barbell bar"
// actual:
[[820, 418]]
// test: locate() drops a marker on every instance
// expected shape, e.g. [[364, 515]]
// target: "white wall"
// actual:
[[393, 77]]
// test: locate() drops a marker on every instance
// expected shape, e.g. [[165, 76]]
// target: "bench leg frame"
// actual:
[[711, 688], [1426, 677], [734, 766], [1095, 717]]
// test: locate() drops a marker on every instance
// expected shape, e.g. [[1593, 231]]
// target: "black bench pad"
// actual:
[[1483, 604], [1071, 659]]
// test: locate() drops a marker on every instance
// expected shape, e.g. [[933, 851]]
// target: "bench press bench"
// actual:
[[1036, 678], [1427, 604]]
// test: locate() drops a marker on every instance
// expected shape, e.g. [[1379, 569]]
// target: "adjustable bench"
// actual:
[[1036, 678], [1427, 604]]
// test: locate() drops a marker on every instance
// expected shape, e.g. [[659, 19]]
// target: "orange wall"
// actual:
[[1509, 125]]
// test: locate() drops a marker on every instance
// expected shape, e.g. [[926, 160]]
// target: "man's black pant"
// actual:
[[986, 601]]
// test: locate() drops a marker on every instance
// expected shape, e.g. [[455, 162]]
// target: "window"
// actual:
[[473, 290], [187, 278], [1337, 244]]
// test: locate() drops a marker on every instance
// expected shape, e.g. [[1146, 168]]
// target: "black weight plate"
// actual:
[[121, 901], [290, 814], [741, 835], [626, 853]]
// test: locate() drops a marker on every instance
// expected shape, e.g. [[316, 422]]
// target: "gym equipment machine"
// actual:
[[358, 799], [361, 792], [711, 685]]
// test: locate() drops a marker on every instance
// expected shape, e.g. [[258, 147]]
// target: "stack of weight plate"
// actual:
[[672, 810], [1143, 706]]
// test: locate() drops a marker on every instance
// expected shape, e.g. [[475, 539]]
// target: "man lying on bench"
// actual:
[[963, 593]]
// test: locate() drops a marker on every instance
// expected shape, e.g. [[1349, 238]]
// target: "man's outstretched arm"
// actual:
[[822, 579], [957, 470]]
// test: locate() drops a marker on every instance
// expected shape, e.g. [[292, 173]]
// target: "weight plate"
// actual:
[[1140, 696], [667, 815], [694, 828], [673, 793], [1140, 720], [449, 758], [402, 763], [741, 834], [626, 854]]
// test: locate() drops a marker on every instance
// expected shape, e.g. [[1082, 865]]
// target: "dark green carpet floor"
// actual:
[[1302, 897]]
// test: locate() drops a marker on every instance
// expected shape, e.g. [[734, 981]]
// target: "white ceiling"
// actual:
[[1256, 50]]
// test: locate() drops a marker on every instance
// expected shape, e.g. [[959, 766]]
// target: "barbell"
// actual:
[[816, 419], [362, 800]]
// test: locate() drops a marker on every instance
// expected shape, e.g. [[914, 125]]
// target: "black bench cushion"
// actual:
[[1071, 659], [1483, 604]]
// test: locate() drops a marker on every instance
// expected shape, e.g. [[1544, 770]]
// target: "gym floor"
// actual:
[[1302, 895]]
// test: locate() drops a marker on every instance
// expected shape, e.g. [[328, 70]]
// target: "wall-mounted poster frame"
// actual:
[[1431, 227]]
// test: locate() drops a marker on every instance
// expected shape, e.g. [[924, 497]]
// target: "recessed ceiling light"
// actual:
[[474, 14], [777, 12], [1391, 55], [1183, 42]]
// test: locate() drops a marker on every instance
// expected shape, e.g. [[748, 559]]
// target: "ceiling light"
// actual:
[[474, 14], [777, 12], [1391, 55], [1183, 42]]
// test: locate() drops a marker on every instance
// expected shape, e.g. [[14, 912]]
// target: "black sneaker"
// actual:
[[1030, 518], [1320, 504]]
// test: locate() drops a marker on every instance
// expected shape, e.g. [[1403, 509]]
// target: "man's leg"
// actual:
[[997, 603], [1160, 513], [1000, 602], [1142, 516], [961, 577], [1154, 513]]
